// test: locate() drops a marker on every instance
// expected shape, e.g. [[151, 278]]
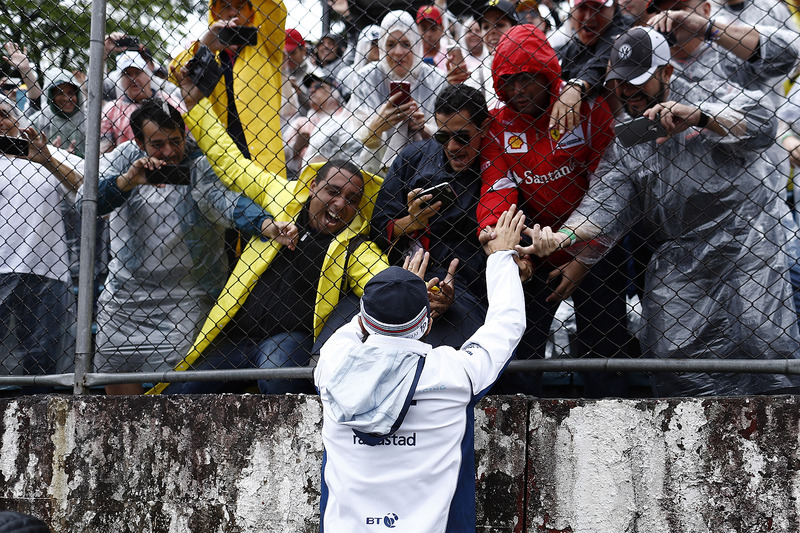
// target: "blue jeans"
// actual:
[[36, 314], [290, 349]]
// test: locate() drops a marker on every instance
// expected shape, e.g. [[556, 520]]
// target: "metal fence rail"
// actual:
[[237, 263]]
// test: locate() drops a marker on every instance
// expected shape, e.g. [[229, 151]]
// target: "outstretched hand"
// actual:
[[543, 241], [442, 295], [282, 232], [507, 230]]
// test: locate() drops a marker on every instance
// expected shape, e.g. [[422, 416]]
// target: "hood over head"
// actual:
[[403, 22], [54, 77], [525, 49]]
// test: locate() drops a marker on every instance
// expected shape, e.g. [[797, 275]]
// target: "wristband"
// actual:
[[704, 120], [579, 83], [711, 33], [569, 233]]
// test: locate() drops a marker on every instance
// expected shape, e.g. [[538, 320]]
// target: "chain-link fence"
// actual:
[[194, 196]]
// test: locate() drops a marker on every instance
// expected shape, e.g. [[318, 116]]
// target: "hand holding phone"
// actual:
[[443, 192], [170, 175], [18, 146], [402, 87], [238, 35], [639, 130]]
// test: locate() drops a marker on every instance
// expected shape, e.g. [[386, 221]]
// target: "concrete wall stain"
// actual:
[[236, 464]]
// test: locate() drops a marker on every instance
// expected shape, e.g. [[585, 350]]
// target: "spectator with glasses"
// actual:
[[406, 220]]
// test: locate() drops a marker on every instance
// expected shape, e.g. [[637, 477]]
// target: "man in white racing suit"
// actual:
[[398, 413]]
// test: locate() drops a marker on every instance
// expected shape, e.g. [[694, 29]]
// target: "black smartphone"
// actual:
[[14, 145], [638, 130], [204, 70], [402, 87], [128, 42], [170, 175], [441, 193], [238, 35]]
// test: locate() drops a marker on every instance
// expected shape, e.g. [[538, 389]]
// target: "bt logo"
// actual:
[[388, 520]]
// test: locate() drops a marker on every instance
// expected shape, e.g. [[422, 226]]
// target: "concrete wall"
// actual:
[[251, 464]]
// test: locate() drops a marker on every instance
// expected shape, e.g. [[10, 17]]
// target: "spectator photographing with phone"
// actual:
[[428, 202], [35, 298], [245, 39], [168, 213], [395, 97]]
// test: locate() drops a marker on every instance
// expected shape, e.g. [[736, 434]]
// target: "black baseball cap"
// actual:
[[508, 10], [637, 54]]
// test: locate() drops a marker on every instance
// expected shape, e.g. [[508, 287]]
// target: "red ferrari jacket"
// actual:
[[524, 162]]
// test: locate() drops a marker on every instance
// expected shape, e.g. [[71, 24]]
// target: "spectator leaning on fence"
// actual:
[[168, 263], [547, 173], [398, 413], [252, 75], [405, 220], [753, 56], [34, 268], [279, 296], [717, 286], [389, 123]]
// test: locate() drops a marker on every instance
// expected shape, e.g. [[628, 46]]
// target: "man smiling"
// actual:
[[281, 293], [405, 219]]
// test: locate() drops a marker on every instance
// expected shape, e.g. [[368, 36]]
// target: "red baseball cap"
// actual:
[[293, 40], [431, 13], [603, 3]]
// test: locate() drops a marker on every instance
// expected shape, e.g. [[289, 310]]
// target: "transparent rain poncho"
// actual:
[[717, 285]]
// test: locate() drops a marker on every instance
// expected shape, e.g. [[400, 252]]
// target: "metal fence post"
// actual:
[[83, 348]]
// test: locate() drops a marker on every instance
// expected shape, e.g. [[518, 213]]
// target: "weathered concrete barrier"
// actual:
[[252, 464]]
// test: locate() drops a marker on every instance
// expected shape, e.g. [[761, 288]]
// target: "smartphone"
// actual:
[[128, 42], [14, 145], [638, 130], [441, 193], [402, 87], [455, 55], [238, 35], [170, 175]]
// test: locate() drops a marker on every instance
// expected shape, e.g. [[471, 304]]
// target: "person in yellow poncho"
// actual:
[[278, 298], [251, 75]]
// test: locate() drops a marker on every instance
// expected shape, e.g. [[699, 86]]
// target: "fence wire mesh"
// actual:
[[259, 162]]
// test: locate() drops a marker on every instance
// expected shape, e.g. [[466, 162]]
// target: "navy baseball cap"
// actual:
[[395, 303]]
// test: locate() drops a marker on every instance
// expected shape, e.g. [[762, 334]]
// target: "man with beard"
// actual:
[[717, 284], [546, 174]]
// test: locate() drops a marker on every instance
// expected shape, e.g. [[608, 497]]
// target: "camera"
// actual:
[[14, 146], [204, 70]]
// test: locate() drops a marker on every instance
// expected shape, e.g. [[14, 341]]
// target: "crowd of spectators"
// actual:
[[290, 172]]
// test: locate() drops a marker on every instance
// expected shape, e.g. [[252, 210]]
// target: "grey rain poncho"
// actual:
[[168, 262], [717, 285]]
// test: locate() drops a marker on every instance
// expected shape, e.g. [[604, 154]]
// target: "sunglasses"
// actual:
[[444, 137]]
